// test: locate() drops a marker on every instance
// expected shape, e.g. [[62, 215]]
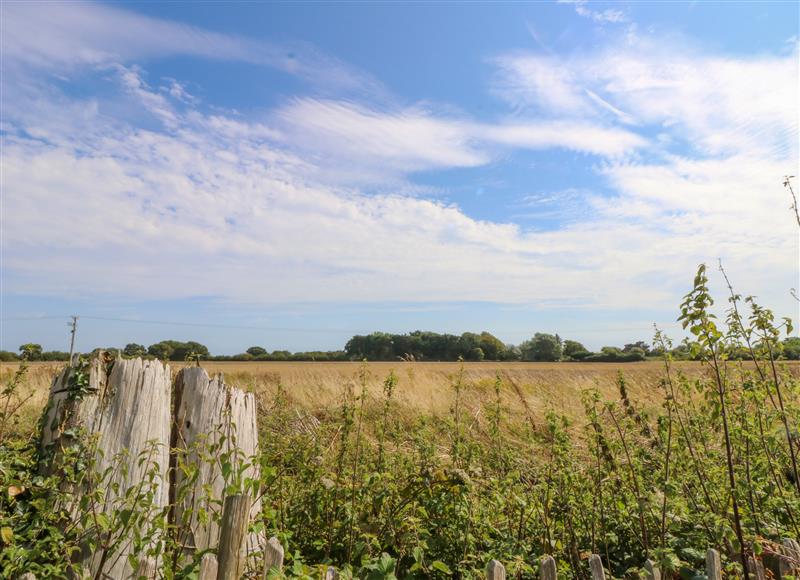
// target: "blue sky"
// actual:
[[291, 174]]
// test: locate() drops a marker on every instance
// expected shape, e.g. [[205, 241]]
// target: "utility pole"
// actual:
[[74, 325]]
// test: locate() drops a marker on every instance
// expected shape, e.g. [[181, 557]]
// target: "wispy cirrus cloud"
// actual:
[[62, 37], [716, 103], [606, 16], [374, 144]]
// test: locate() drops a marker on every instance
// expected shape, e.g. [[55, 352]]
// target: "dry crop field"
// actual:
[[423, 388], [430, 470]]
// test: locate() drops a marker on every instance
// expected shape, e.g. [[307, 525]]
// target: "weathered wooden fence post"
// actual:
[[652, 570], [273, 556], [713, 565], [231, 552], [147, 569], [547, 570], [756, 568], [790, 564], [209, 413], [495, 571], [331, 574], [596, 566], [124, 405], [208, 567]]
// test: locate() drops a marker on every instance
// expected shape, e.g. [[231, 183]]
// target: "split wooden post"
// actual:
[[28, 576], [208, 567], [547, 571], [126, 406], [790, 564], [652, 570], [331, 574], [231, 552], [495, 571], [146, 569], [713, 565], [273, 557], [596, 566], [210, 413], [756, 568]]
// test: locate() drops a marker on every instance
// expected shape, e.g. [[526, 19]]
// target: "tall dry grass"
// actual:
[[424, 388]]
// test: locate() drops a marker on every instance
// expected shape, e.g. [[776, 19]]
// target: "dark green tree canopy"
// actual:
[[177, 350], [133, 349], [542, 347], [32, 350], [574, 350]]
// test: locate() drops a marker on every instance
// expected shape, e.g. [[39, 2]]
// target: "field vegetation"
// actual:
[[421, 470]]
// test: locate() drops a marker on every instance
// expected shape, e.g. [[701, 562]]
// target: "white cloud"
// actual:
[[357, 144], [609, 15], [390, 142], [720, 105], [59, 37], [212, 207], [574, 135], [543, 82], [185, 203]]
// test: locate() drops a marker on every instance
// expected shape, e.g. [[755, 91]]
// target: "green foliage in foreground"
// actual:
[[381, 495]]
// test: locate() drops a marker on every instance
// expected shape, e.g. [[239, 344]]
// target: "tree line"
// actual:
[[414, 346]]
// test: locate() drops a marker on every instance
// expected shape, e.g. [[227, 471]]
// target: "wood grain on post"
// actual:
[[209, 412], [495, 571], [125, 405], [596, 566], [547, 571], [756, 568], [231, 553], [790, 561], [146, 569], [331, 574], [273, 556], [208, 567], [652, 570], [713, 565], [28, 576]]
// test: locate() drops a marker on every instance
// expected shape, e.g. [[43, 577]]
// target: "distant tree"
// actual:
[[476, 354], [574, 350], [161, 350], [493, 348], [187, 349], [791, 348], [8, 356], [132, 349], [31, 350], [256, 350], [542, 347], [641, 345], [177, 350], [54, 355], [511, 352], [467, 343], [614, 354], [681, 352]]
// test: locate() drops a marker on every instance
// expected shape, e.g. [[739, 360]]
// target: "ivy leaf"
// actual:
[[7, 534]]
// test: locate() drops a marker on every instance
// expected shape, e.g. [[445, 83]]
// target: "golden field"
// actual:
[[528, 390]]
